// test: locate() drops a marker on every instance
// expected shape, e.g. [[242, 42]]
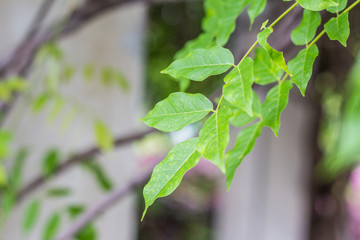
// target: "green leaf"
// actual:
[[58, 192], [245, 142], [338, 28], [240, 118], [265, 70], [5, 141], [50, 162], [306, 30], [52, 227], [103, 136], [201, 63], [3, 176], [204, 41], [17, 169], [168, 174], [276, 56], [237, 89], [276, 101], [74, 210], [227, 20], [316, 5], [99, 174], [255, 9], [40, 102], [177, 111], [214, 136], [88, 72], [87, 233], [301, 67], [31, 215], [338, 8]]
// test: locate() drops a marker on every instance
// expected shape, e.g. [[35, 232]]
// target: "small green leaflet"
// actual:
[[103, 136], [276, 56], [237, 89], [168, 174], [201, 63], [31, 215], [50, 162], [265, 70], [52, 227], [339, 8], [301, 67], [245, 142], [177, 111], [306, 30], [214, 136], [240, 118], [337, 28], [276, 101], [255, 9], [316, 5]]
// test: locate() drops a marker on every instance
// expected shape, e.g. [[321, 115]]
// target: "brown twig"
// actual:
[[75, 159], [106, 203]]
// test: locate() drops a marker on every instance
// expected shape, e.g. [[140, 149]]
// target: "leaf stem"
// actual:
[[218, 106], [284, 78], [271, 25]]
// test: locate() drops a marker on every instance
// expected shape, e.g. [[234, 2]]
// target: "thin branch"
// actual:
[[39, 18], [72, 161], [104, 205]]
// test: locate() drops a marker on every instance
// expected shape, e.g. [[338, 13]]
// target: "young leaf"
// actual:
[[316, 5], [338, 8], [87, 233], [337, 28], [201, 63], [168, 174], [177, 111], [237, 89], [306, 30], [17, 169], [58, 192], [276, 101], [265, 70], [31, 215], [103, 136], [3, 176], [301, 67], [50, 162], [52, 227], [74, 210], [276, 56], [214, 136], [255, 9], [245, 142], [99, 174]]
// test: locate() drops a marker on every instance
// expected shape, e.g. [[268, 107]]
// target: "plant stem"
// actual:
[[271, 25], [351, 6]]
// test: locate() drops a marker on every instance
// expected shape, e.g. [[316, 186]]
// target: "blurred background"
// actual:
[[76, 77]]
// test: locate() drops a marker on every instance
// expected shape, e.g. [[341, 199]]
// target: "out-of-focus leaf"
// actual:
[[103, 136], [31, 215], [50, 161], [99, 175], [52, 227]]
